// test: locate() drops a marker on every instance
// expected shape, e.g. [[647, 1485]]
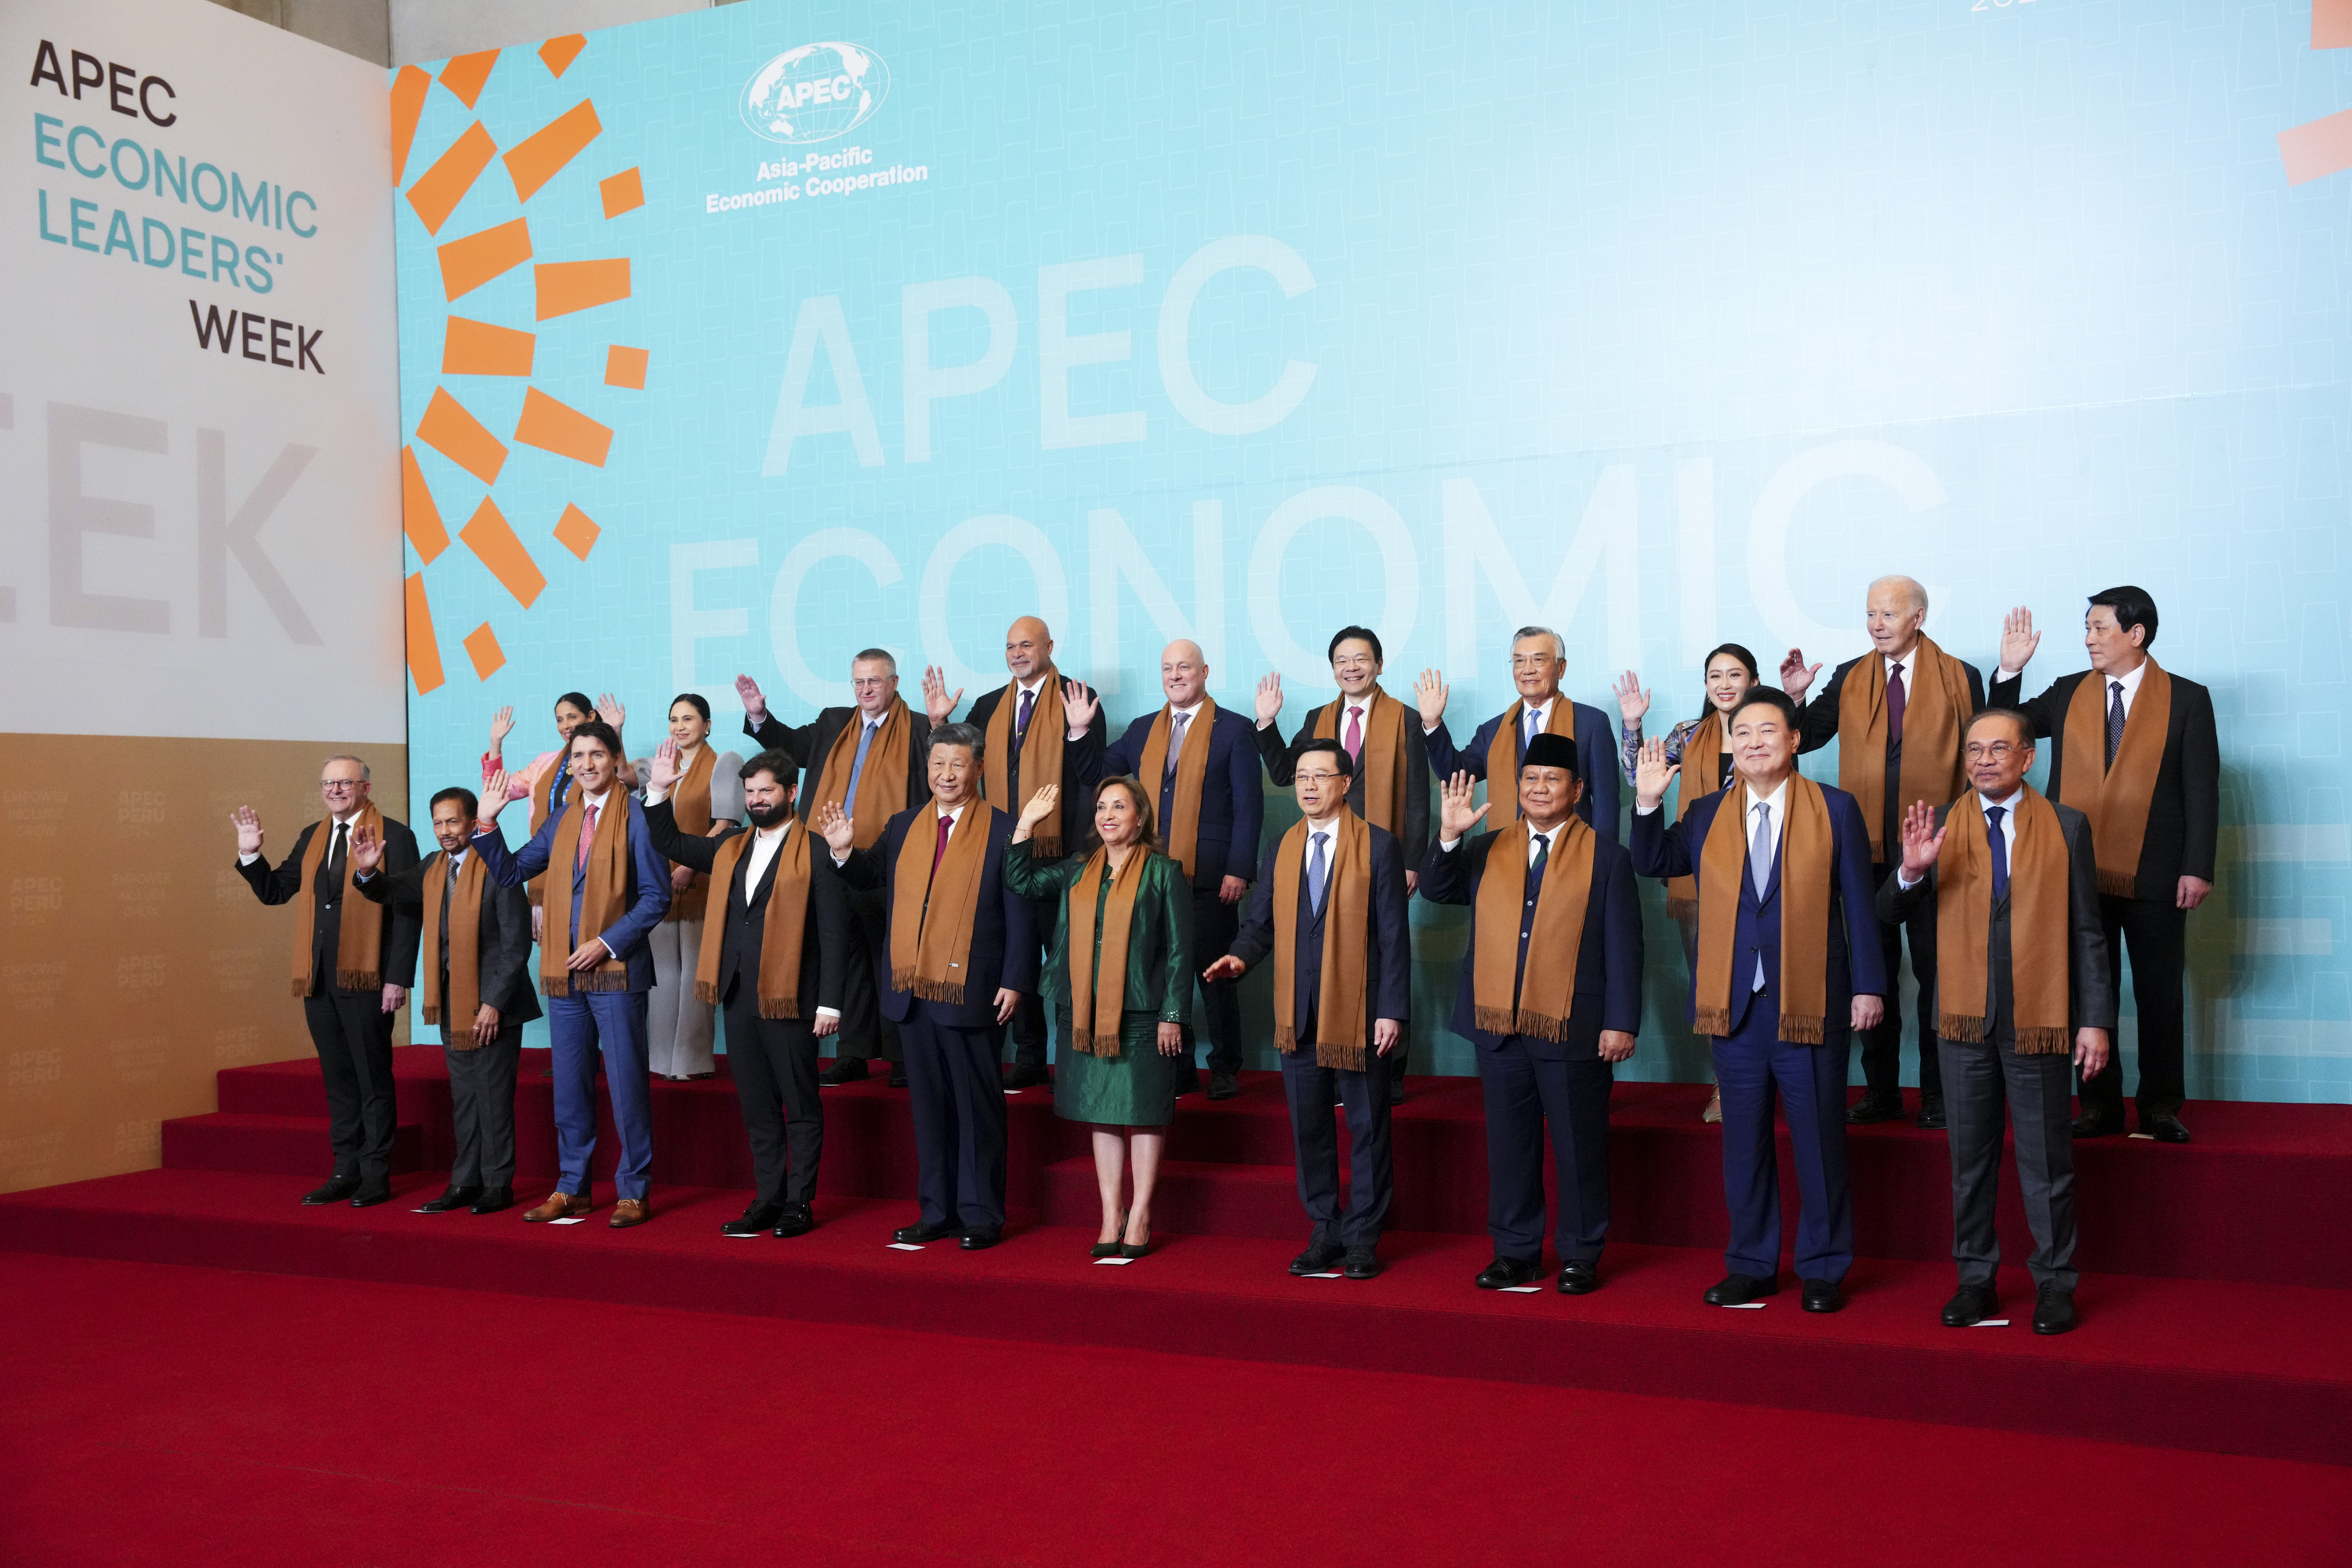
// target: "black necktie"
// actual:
[[330, 887]]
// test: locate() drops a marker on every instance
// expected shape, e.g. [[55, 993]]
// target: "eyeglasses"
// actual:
[[1996, 751], [1310, 778], [340, 785]]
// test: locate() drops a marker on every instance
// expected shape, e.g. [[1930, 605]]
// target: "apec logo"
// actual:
[[815, 92]]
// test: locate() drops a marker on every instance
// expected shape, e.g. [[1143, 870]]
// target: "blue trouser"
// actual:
[[1365, 1096], [1810, 1082], [1523, 1092], [957, 1097], [616, 1020]]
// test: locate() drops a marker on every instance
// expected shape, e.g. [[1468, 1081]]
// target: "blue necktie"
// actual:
[[1316, 875], [858, 763], [1528, 739], [1994, 813], [1760, 870]]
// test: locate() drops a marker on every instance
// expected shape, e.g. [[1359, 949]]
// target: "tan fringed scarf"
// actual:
[[1808, 862], [882, 787], [2038, 938], [1181, 831], [1934, 706], [931, 913], [1381, 766], [1547, 992], [359, 941], [543, 797], [1704, 747], [1040, 756], [2116, 798], [689, 805], [781, 932], [1340, 999], [1096, 1000], [1503, 758], [604, 897], [455, 1013]]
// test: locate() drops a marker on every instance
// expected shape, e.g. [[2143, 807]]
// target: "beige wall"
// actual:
[[134, 961]]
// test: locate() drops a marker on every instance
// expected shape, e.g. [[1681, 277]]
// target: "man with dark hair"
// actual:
[[1331, 911], [2132, 747], [871, 759], [477, 950], [1538, 666]]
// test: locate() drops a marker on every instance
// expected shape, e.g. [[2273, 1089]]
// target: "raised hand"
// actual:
[[1079, 705], [833, 825], [494, 800], [663, 773], [609, 708], [1633, 698], [1226, 968], [936, 701], [2018, 639], [249, 830], [501, 726], [1430, 691], [755, 703], [1456, 815], [1651, 774], [1796, 674], [1269, 697], [1922, 839], [366, 851], [1041, 807]]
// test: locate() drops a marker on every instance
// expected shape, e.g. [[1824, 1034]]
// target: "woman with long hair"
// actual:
[[707, 795]]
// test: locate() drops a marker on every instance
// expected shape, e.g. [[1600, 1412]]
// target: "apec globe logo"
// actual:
[[815, 92]]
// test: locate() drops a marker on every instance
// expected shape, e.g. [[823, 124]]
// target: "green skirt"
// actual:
[[1136, 1087]]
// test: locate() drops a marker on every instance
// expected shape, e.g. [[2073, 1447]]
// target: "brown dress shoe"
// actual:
[[560, 1205], [629, 1212]]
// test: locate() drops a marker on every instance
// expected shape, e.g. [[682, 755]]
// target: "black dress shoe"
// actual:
[[1822, 1296], [796, 1219], [756, 1219], [898, 1075], [493, 1200], [1875, 1105], [844, 1069], [1505, 1272], [1931, 1112], [1317, 1258], [1577, 1277], [2054, 1311], [337, 1189], [1025, 1075], [1223, 1084], [2098, 1121], [1396, 1091], [1738, 1289], [923, 1232], [368, 1197], [980, 1240], [1972, 1306], [2164, 1127], [1361, 1263], [455, 1198]]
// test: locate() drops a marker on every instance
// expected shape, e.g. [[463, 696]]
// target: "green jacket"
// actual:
[[1158, 937]]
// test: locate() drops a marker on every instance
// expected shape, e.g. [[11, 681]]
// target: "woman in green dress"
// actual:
[[1121, 981]]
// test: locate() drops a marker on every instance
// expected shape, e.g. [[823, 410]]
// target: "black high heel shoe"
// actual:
[[1131, 1251], [1112, 1248]]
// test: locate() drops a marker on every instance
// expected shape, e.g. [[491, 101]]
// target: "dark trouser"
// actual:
[[957, 1097], [1215, 923], [2156, 930], [866, 1034], [1882, 1044], [1523, 1091], [481, 1107], [581, 1026], [1810, 1082], [1028, 1028], [1987, 1082], [774, 1063], [352, 1035], [1365, 1095]]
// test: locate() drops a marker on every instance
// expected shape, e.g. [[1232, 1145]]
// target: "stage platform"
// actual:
[[2217, 1275]]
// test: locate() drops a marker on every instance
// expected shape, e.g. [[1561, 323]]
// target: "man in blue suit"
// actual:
[[1205, 760], [1330, 908], [961, 953], [1538, 664], [596, 982], [1550, 888], [1788, 965]]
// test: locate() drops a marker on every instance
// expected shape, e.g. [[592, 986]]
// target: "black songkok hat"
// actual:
[[1550, 751]]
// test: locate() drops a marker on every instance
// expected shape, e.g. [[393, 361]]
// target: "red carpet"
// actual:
[[151, 1413]]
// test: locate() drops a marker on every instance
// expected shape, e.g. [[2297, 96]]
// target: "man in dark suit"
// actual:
[[481, 1021], [595, 982], [2153, 792], [2013, 897], [1006, 720], [954, 977], [836, 746], [1546, 1045], [349, 989], [1539, 664], [1895, 713], [1216, 842], [1330, 908], [1778, 1000], [775, 1018]]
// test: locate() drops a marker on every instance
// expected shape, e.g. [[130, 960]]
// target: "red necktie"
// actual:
[[1355, 737], [947, 825], [587, 836]]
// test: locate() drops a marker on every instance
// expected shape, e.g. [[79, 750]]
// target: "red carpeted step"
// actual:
[[271, 1145], [1193, 1199]]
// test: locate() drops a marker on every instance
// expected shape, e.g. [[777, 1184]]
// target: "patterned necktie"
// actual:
[[1994, 813], [1895, 700], [1177, 725], [1534, 724], [1315, 875], [1354, 739], [2115, 718], [1021, 719], [587, 836]]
